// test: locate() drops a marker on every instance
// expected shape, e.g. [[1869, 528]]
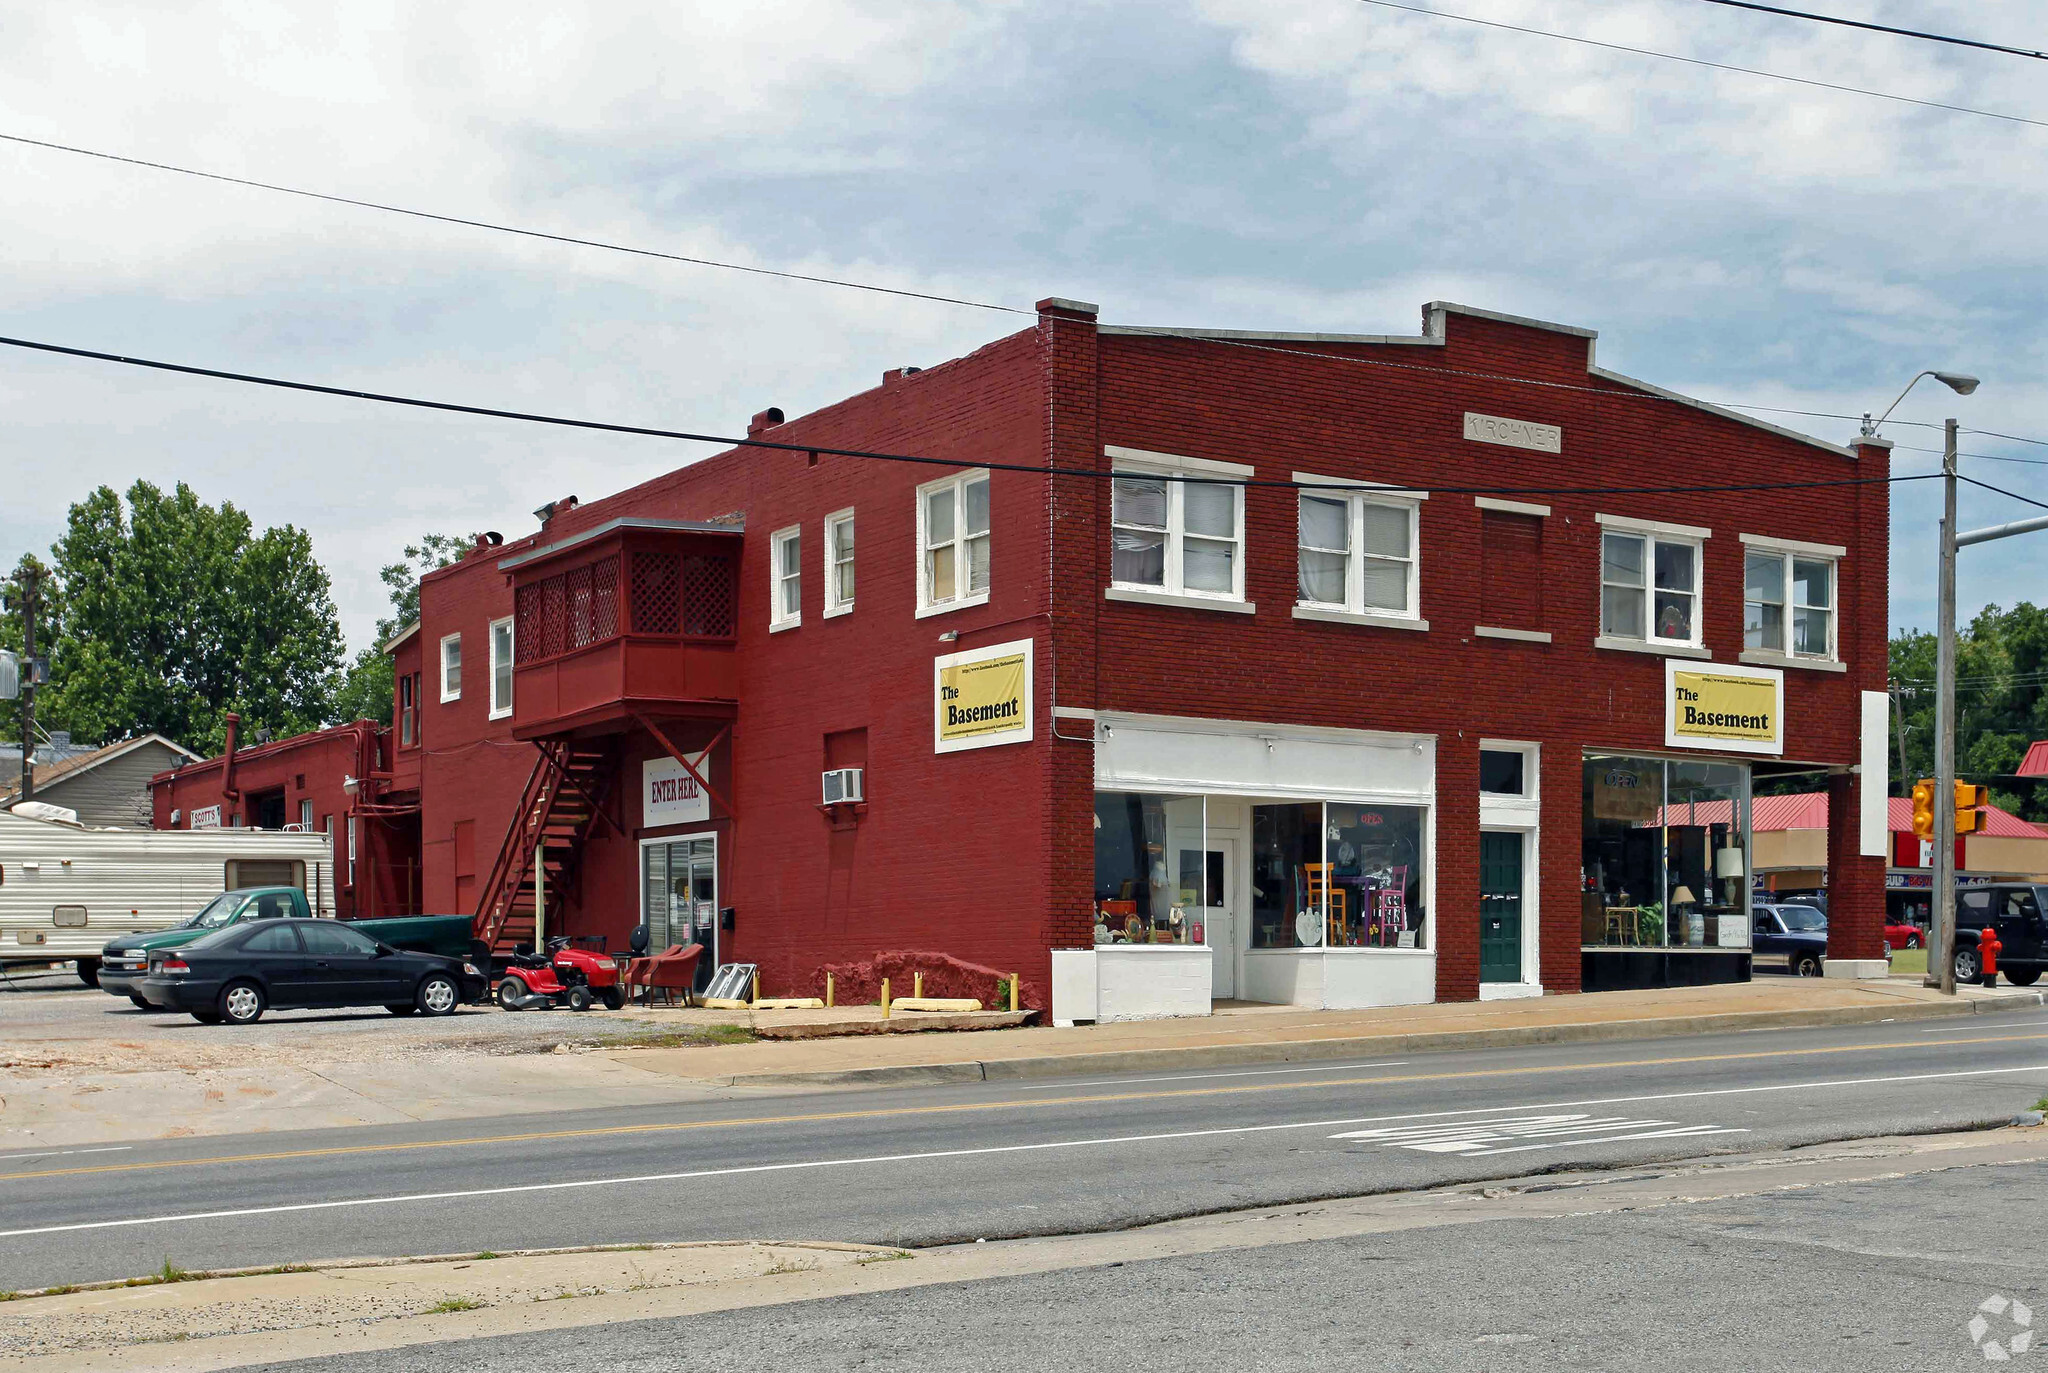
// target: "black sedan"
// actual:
[[238, 973], [1792, 937]]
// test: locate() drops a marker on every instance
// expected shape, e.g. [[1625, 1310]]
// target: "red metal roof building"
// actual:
[[1181, 664]]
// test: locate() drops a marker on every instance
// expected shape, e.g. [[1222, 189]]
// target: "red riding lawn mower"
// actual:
[[575, 978]]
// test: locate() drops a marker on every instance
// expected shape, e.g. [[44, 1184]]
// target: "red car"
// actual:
[[1902, 936]]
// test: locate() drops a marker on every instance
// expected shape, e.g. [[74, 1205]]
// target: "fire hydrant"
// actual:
[[1987, 957]]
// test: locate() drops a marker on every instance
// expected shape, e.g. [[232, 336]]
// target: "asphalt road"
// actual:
[[995, 1160], [1872, 1276]]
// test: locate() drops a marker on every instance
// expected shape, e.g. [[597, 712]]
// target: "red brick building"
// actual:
[[1181, 665], [331, 781]]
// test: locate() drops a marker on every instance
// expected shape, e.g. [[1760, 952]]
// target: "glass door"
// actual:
[[680, 897]]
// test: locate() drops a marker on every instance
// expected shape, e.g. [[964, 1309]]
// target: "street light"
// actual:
[[1941, 964], [1962, 383]]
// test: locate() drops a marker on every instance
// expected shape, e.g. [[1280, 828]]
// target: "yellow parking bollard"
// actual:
[[917, 985], [885, 998], [828, 989], [757, 988], [1013, 993]]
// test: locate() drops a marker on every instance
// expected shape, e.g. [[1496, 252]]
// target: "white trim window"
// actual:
[[1788, 603], [1650, 586], [501, 668], [1358, 554], [838, 562], [1177, 537], [786, 578], [451, 667], [953, 542]]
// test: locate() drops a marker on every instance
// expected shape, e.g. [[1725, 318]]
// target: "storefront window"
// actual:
[[1337, 876], [1664, 858], [1151, 869]]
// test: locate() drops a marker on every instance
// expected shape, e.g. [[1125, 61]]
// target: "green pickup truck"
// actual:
[[125, 960]]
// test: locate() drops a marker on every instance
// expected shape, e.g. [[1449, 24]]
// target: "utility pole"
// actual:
[[27, 595], [1941, 963]]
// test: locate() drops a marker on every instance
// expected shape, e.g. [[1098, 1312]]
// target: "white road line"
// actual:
[[61, 1153], [1995, 1025], [1195, 1077], [643, 1178]]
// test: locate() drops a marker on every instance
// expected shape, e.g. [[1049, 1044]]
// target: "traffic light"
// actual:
[[1970, 802], [1923, 808]]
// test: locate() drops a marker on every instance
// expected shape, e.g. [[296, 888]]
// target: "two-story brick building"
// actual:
[[1173, 665]]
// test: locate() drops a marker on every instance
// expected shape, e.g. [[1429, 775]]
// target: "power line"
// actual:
[[2028, 500], [1880, 28], [2011, 438], [1987, 457], [1702, 62], [570, 239], [728, 441]]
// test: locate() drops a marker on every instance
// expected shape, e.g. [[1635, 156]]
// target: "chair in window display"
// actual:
[[1336, 918]]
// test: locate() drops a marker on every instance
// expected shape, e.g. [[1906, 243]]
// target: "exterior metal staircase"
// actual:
[[564, 800]]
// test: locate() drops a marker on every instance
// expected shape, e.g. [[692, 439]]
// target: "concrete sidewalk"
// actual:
[[1247, 1033], [66, 1107]]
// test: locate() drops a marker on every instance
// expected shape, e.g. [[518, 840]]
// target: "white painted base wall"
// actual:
[[1508, 991], [1856, 967], [1339, 981], [1137, 982]]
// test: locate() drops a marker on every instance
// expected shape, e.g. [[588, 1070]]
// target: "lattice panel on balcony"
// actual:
[[604, 599], [526, 635], [708, 596], [657, 593]]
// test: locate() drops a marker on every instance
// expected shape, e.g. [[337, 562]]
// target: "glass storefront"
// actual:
[[1152, 868], [1664, 856], [1337, 875]]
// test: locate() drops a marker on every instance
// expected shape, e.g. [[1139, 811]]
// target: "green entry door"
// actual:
[[1500, 907]]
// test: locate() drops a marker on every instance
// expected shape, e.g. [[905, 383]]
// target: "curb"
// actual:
[[1324, 1050]]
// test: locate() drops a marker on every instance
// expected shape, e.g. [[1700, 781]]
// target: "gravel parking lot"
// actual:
[[51, 1020]]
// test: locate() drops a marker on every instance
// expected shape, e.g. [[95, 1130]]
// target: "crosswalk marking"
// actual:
[[1519, 1134]]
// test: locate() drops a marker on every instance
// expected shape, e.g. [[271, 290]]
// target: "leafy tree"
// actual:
[[2001, 702], [175, 612], [366, 688]]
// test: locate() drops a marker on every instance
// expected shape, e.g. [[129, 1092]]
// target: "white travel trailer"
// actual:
[[66, 888]]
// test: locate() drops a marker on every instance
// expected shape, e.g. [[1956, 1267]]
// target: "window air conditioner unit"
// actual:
[[842, 785]]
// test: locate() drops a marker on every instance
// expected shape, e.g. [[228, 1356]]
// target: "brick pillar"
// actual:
[[1075, 514], [1855, 883], [1457, 867], [1558, 871]]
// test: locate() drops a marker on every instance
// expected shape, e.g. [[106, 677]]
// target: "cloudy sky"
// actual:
[[1276, 164]]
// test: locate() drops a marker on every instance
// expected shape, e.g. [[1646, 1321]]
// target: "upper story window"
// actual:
[[1173, 533], [786, 578], [501, 668], [839, 562], [1358, 553], [409, 710], [952, 540], [451, 667], [1788, 599], [1650, 582]]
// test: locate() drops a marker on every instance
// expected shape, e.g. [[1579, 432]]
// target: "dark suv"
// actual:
[[2015, 909]]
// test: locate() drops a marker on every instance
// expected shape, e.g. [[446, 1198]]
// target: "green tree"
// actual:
[[2001, 702], [176, 612], [366, 688]]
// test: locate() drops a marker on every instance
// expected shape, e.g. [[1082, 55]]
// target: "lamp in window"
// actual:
[[1685, 905], [1728, 866]]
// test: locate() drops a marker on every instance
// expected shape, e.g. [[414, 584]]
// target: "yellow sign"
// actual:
[[1736, 708], [982, 697]]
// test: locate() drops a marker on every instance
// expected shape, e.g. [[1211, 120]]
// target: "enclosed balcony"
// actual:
[[637, 617]]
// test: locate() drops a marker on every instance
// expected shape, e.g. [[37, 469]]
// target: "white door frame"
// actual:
[[1532, 943], [1227, 955], [716, 883]]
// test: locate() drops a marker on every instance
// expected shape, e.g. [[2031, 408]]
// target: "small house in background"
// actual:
[[106, 786]]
